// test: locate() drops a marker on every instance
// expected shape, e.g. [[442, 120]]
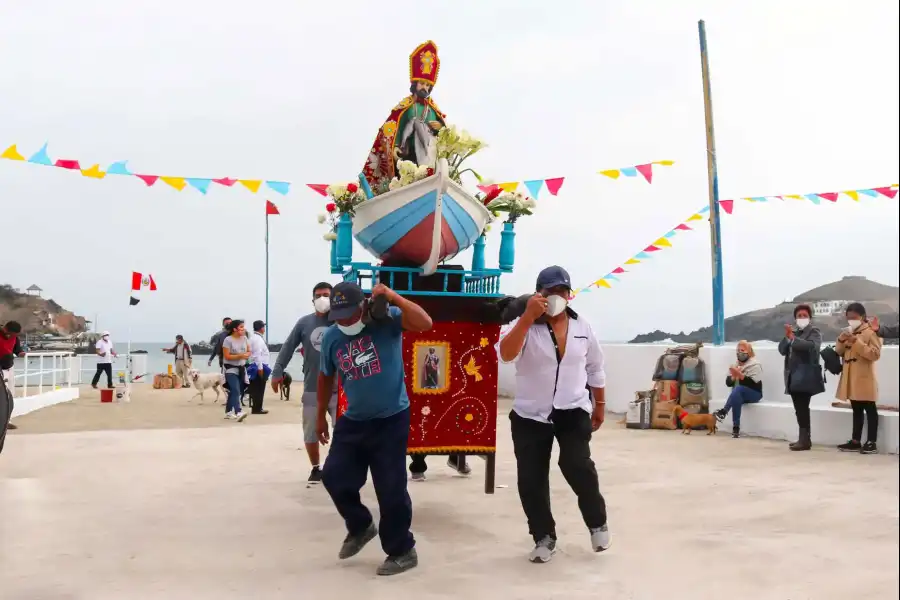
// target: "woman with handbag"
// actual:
[[859, 347], [802, 370]]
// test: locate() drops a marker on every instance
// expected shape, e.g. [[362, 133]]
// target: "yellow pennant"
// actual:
[[662, 243], [696, 218], [509, 187], [251, 184], [665, 163], [94, 172], [602, 283], [632, 261], [748, 199], [12, 153], [853, 194], [176, 182], [611, 173], [795, 197]]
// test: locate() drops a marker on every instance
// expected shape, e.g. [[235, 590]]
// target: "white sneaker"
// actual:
[[543, 550], [229, 416], [241, 416], [600, 539]]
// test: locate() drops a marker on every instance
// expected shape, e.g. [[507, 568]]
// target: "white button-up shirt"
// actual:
[[538, 374], [259, 350]]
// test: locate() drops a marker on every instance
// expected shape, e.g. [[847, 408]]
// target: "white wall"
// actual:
[[28, 404]]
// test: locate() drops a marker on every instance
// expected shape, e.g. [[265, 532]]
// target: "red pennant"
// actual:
[[271, 209], [319, 187], [684, 227], [830, 196], [148, 179], [651, 248], [618, 270], [68, 164], [554, 184], [727, 206], [487, 189], [886, 191], [226, 181], [646, 171]]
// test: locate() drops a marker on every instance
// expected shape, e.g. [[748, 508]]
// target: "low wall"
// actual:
[[28, 404]]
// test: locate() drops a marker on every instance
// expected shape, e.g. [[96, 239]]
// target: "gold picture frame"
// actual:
[[431, 367]]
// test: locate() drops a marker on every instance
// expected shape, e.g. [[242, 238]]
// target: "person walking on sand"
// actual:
[[183, 359], [235, 353], [105, 356], [258, 369], [372, 434]]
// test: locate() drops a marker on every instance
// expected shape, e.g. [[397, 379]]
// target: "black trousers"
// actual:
[[868, 412], [801, 409], [257, 391], [103, 368], [418, 465], [6, 407], [533, 443]]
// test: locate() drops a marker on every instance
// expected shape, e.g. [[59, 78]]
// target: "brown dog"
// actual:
[[689, 421]]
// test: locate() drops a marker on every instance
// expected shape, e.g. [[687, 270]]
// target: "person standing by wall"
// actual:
[[802, 370], [181, 351], [557, 358], [105, 355], [235, 353], [859, 347], [308, 332], [259, 368]]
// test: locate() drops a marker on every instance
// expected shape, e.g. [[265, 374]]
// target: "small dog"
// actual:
[[206, 381], [285, 389], [689, 421]]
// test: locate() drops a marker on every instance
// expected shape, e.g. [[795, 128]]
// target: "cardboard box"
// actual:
[[664, 415], [694, 394], [639, 409], [666, 391]]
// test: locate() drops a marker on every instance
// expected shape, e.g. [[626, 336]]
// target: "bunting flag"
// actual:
[[888, 191], [201, 184], [644, 170], [534, 186], [271, 209]]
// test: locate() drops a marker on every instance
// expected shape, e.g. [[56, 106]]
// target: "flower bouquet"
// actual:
[[514, 204], [344, 200], [409, 173], [456, 146]]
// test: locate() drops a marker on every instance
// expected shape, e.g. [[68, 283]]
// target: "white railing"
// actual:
[[53, 369]]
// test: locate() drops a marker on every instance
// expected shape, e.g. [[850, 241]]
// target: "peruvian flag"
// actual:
[[140, 281]]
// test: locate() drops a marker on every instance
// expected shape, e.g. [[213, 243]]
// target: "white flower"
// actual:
[[421, 172], [338, 191], [395, 184], [320, 219], [406, 168], [330, 236], [426, 410], [530, 203]]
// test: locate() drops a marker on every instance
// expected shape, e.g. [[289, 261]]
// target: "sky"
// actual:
[[805, 97]]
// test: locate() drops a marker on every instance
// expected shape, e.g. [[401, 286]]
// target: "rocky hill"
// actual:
[[36, 314], [768, 323]]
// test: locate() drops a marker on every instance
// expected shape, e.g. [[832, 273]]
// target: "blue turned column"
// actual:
[[478, 254], [508, 247], [344, 240], [335, 267]]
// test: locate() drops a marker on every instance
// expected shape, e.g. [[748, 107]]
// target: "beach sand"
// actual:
[[161, 498]]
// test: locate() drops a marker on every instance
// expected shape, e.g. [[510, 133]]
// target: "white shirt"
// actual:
[[259, 351], [104, 346], [538, 374]]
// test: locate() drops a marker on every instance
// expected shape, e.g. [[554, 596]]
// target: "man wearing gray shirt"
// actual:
[[309, 332]]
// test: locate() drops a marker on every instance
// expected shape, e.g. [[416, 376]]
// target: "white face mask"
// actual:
[[352, 329], [802, 323], [322, 304], [556, 304], [854, 324]]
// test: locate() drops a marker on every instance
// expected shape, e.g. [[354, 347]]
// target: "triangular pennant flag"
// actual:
[[853, 194], [611, 277], [830, 196], [670, 234], [641, 256], [618, 270], [629, 171], [760, 199], [553, 184], [280, 187], [63, 163], [271, 209], [602, 283], [510, 186], [487, 189], [319, 187], [94, 172], [119, 168], [665, 163], [684, 227], [176, 182], [226, 181], [199, 184], [703, 210], [584, 291], [695, 218], [12, 153], [148, 179], [251, 184], [748, 199], [40, 157], [534, 187], [646, 171], [886, 191], [869, 193], [662, 243], [632, 261], [611, 173], [132, 301], [795, 197], [651, 248], [814, 198], [727, 206]]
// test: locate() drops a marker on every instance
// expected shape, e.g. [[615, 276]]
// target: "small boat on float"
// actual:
[[421, 224]]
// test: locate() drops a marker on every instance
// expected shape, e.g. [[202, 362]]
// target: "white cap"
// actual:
[[104, 334]]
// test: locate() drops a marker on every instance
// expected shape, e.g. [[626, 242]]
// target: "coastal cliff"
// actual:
[[37, 315]]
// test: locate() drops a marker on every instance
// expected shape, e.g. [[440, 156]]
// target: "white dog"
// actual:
[[205, 381]]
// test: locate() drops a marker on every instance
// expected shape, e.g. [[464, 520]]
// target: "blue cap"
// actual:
[[552, 277], [345, 300]]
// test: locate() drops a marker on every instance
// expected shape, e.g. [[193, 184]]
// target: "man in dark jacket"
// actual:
[[216, 342], [885, 331]]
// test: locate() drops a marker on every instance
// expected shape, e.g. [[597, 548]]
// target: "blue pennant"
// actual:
[[870, 193], [534, 186], [40, 157], [642, 255], [119, 168], [629, 171], [281, 187], [813, 198], [759, 199], [611, 277], [671, 234], [705, 209], [201, 185]]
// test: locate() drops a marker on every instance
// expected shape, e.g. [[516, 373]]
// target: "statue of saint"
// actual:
[[410, 131]]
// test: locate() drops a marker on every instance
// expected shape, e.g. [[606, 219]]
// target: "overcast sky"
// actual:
[[805, 94]]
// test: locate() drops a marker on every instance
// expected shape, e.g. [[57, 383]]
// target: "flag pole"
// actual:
[[267, 274]]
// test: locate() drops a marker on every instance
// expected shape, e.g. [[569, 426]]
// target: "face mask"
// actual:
[[322, 304], [352, 329], [802, 323], [854, 324], [743, 357], [556, 304]]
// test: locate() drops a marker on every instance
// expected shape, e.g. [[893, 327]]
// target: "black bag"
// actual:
[[832, 360]]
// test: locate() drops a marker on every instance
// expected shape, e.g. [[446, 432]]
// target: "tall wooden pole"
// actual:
[[715, 235]]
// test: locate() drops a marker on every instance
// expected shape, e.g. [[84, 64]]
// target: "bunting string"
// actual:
[[645, 170]]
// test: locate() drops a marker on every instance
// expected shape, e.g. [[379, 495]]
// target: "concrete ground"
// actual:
[[171, 501]]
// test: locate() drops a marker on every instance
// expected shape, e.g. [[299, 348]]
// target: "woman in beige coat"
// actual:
[[859, 347]]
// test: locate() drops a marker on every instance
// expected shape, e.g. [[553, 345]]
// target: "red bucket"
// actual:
[[106, 395]]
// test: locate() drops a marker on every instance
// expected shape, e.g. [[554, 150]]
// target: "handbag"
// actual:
[[807, 378]]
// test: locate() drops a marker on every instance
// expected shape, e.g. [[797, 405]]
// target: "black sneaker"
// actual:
[[869, 448], [315, 476], [394, 565], [736, 432], [354, 543], [851, 446]]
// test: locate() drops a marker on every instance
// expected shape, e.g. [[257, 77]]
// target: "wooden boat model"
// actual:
[[421, 224]]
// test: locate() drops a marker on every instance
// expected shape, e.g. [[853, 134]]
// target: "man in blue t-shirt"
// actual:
[[372, 434]]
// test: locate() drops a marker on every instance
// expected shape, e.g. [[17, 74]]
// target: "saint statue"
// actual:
[[410, 131]]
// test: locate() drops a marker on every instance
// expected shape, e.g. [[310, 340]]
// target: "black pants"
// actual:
[[533, 443], [6, 408], [865, 411], [418, 465], [257, 391], [378, 445], [103, 368], [801, 409]]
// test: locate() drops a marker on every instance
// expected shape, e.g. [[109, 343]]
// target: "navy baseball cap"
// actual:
[[345, 300], [552, 277]]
